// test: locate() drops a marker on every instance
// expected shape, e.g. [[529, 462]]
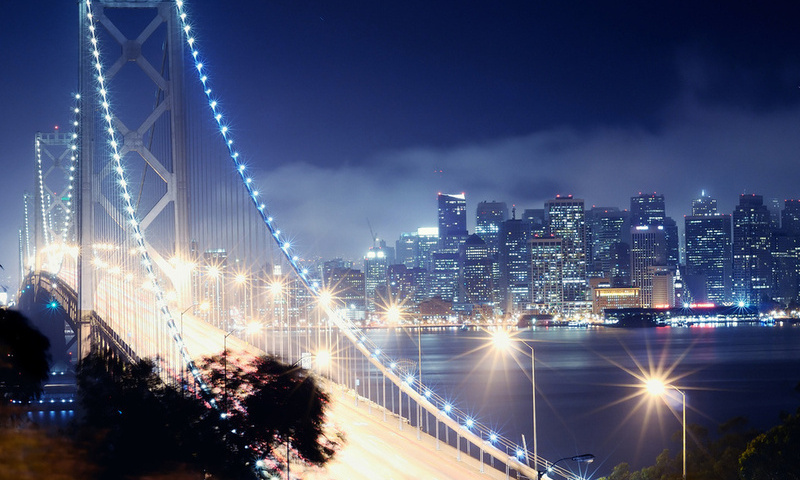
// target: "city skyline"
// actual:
[[513, 102]]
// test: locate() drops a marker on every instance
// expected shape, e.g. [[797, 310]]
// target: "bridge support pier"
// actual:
[[83, 333]]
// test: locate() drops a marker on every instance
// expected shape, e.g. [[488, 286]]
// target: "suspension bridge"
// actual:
[[150, 235]]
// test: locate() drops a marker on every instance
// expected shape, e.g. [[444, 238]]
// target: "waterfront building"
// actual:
[[663, 287], [708, 252], [752, 268], [648, 249], [610, 298], [514, 264], [547, 274], [566, 220]]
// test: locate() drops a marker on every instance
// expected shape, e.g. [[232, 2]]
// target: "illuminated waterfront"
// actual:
[[581, 378]]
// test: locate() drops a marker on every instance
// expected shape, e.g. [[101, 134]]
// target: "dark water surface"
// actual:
[[588, 394]]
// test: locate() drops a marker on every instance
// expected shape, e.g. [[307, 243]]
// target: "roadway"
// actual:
[[375, 449]]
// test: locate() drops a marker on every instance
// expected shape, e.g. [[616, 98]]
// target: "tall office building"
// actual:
[[489, 217], [215, 285], [407, 249], [547, 268], [605, 227], [774, 207], [790, 217], [514, 264], [452, 222], [566, 220], [534, 217], [443, 277], [475, 273], [376, 264], [752, 269], [708, 252], [647, 209], [346, 285], [648, 250], [704, 205], [428, 241], [785, 253]]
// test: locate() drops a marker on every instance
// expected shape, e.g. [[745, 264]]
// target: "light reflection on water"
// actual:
[[726, 372]]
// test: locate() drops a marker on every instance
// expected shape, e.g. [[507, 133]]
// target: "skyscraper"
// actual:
[[475, 274], [547, 268], [650, 210], [452, 222], [648, 250], [708, 252], [376, 263], [566, 220], [647, 209], [752, 269], [606, 226], [514, 264], [489, 217]]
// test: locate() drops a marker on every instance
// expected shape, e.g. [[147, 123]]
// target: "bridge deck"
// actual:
[[377, 449]]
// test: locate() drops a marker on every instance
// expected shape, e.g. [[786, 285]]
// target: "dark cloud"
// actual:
[[724, 151]]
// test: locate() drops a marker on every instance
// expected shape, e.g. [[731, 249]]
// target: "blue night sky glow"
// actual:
[[374, 107]]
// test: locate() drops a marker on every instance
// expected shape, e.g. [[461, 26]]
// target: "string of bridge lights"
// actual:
[[356, 335], [74, 146], [130, 212], [42, 196]]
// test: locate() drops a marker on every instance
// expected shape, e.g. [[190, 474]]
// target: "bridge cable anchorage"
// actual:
[[433, 403], [133, 223]]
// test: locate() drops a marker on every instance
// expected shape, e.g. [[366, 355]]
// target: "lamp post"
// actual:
[[502, 340], [584, 458], [225, 367], [657, 388], [183, 367]]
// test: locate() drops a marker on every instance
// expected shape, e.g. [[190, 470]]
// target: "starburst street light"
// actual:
[[658, 388], [503, 341]]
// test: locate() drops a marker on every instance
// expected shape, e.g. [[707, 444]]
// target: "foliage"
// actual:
[[24, 358], [706, 459], [270, 403], [137, 424], [775, 454]]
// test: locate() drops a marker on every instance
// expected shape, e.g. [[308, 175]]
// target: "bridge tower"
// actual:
[[164, 160]]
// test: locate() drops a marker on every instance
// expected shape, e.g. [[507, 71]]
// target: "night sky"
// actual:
[[365, 110]]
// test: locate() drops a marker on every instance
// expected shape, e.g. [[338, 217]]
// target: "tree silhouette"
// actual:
[[24, 358], [271, 402], [775, 454]]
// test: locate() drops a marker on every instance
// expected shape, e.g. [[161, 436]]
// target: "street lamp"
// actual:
[[657, 388], [503, 341], [225, 366], [584, 458]]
